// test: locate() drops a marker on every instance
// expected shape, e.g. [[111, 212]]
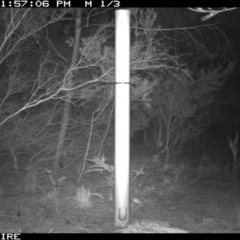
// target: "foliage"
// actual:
[[174, 117], [101, 166], [164, 93]]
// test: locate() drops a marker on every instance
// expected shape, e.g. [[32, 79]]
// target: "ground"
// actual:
[[191, 199]]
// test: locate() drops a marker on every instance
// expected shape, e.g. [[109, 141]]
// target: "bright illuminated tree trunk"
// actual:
[[122, 118]]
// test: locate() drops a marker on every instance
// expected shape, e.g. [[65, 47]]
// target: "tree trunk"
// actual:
[[67, 105]]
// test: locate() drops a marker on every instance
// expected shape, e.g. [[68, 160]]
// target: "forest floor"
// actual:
[[181, 198]]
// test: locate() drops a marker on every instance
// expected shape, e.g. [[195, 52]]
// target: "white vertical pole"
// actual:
[[122, 118]]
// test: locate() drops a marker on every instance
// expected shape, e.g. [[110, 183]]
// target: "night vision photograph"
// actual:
[[119, 120]]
